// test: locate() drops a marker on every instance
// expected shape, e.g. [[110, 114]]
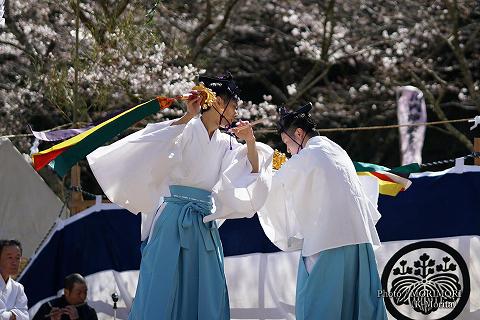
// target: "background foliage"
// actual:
[[347, 57]]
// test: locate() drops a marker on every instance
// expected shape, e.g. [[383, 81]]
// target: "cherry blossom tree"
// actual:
[[347, 57], [120, 61]]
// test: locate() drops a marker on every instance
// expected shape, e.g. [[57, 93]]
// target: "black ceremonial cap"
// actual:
[[221, 85], [285, 117]]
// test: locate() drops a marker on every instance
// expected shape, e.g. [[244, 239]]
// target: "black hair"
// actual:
[[306, 124], [224, 87], [9, 243], [225, 97], [289, 121], [71, 279]]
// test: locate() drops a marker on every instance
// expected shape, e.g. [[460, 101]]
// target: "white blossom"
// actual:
[[292, 89]]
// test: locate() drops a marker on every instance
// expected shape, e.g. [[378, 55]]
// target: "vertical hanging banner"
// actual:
[[411, 109]]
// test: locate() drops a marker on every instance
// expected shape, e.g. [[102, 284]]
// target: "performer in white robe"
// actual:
[[13, 301], [186, 173], [318, 205]]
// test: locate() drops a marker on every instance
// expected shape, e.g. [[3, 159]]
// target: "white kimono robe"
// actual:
[[317, 202], [12, 300], [135, 172]]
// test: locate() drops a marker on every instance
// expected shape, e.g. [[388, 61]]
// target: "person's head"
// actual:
[[224, 112], [10, 255], [75, 289], [296, 127]]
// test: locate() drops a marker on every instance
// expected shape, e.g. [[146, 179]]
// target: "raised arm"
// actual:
[[249, 137], [193, 108]]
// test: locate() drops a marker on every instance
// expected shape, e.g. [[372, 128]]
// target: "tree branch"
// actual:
[[86, 21], [121, 8], [327, 42], [458, 105], [307, 86], [454, 45], [19, 35], [435, 103], [15, 46], [275, 91], [200, 28], [203, 42]]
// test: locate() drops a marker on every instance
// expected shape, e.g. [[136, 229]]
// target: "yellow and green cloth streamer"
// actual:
[[390, 181], [67, 153]]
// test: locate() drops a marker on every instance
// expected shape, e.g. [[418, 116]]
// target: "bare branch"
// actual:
[[473, 38], [435, 103], [309, 85], [327, 42], [458, 105], [85, 21], [273, 89], [433, 73], [276, 92], [203, 42], [200, 28], [454, 44], [121, 8], [104, 4]]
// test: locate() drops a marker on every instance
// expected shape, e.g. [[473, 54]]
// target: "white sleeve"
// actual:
[[133, 171], [277, 216], [240, 193], [3, 309], [21, 309], [5, 315], [371, 189]]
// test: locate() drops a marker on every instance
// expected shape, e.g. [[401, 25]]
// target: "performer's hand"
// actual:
[[13, 317], [194, 105], [193, 108], [244, 133], [71, 311], [56, 313]]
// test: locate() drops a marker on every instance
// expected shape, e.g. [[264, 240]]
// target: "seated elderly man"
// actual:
[[13, 301], [71, 305]]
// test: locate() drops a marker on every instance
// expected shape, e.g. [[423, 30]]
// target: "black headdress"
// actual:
[[287, 118], [299, 118], [221, 85]]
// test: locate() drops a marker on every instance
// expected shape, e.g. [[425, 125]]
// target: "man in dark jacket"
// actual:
[[71, 305]]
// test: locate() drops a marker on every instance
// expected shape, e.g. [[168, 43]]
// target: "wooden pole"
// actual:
[[76, 199], [77, 203], [476, 148]]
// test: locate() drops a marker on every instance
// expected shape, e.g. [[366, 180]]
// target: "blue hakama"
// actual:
[[181, 273], [343, 285]]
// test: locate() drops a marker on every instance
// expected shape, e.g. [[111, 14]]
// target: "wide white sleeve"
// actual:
[[5, 315], [133, 172], [239, 193], [21, 308], [278, 215], [16, 305], [371, 189], [3, 309]]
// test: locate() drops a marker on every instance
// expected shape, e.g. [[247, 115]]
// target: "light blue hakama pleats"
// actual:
[[343, 285], [181, 273]]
